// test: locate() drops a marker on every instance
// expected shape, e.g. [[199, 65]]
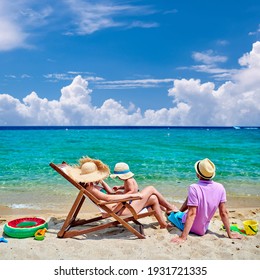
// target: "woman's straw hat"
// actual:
[[90, 170], [122, 171], [205, 168]]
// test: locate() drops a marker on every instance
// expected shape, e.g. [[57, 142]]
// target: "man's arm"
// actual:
[[191, 214], [184, 206], [224, 217]]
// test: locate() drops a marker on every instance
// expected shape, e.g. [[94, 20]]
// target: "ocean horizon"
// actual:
[[162, 156], [51, 127]]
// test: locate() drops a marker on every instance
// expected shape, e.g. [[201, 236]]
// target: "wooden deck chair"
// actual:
[[68, 229]]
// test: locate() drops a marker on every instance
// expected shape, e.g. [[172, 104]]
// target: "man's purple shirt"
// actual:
[[206, 195]]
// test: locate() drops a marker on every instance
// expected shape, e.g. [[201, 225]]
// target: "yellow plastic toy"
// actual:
[[251, 227], [40, 234]]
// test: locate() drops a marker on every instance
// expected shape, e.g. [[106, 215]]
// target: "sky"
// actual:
[[118, 62]]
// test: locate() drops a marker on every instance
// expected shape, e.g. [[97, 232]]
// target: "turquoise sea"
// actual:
[[160, 156]]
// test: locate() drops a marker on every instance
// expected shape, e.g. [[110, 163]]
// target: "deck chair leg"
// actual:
[[72, 214], [140, 227], [127, 226]]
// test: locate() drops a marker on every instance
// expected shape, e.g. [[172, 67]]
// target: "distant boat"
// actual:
[[236, 127]]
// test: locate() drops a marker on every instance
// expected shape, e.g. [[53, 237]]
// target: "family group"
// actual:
[[204, 196]]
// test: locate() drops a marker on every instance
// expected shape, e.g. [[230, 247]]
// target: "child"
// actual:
[[123, 172]]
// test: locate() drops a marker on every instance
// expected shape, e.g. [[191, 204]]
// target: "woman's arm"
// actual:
[[112, 197], [118, 189], [106, 187]]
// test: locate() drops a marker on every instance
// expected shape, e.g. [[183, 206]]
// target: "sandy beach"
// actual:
[[118, 243]]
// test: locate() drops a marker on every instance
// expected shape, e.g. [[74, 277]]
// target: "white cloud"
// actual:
[[19, 22], [210, 65], [252, 59], [113, 113], [222, 42], [208, 57], [56, 77], [91, 17], [11, 35], [137, 83], [143, 24], [36, 17], [253, 33], [235, 102], [101, 83], [73, 108]]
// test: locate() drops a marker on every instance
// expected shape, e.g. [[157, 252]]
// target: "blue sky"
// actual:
[[115, 62]]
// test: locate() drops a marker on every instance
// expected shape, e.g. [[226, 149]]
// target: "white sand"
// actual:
[[118, 243]]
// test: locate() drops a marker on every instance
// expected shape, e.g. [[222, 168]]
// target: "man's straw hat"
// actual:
[[90, 170], [205, 168], [122, 171]]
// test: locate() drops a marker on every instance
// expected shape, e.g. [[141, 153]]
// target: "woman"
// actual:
[[91, 171]]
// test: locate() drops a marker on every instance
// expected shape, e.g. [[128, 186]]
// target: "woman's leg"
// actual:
[[150, 190], [158, 212], [146, 201]]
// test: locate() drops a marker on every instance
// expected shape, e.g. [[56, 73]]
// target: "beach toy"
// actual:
[[251, 227], [234, 227], [40, 234], [3, 240], [24, 227]]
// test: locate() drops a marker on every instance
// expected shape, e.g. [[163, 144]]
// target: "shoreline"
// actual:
[[62, 208]]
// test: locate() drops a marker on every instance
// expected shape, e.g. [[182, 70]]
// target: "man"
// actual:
[[204, 197]]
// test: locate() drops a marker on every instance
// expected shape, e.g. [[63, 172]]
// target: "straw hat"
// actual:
[[90, 170], [205, 168], [122, 171]]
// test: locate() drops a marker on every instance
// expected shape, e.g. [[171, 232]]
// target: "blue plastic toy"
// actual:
[[3, 240]]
